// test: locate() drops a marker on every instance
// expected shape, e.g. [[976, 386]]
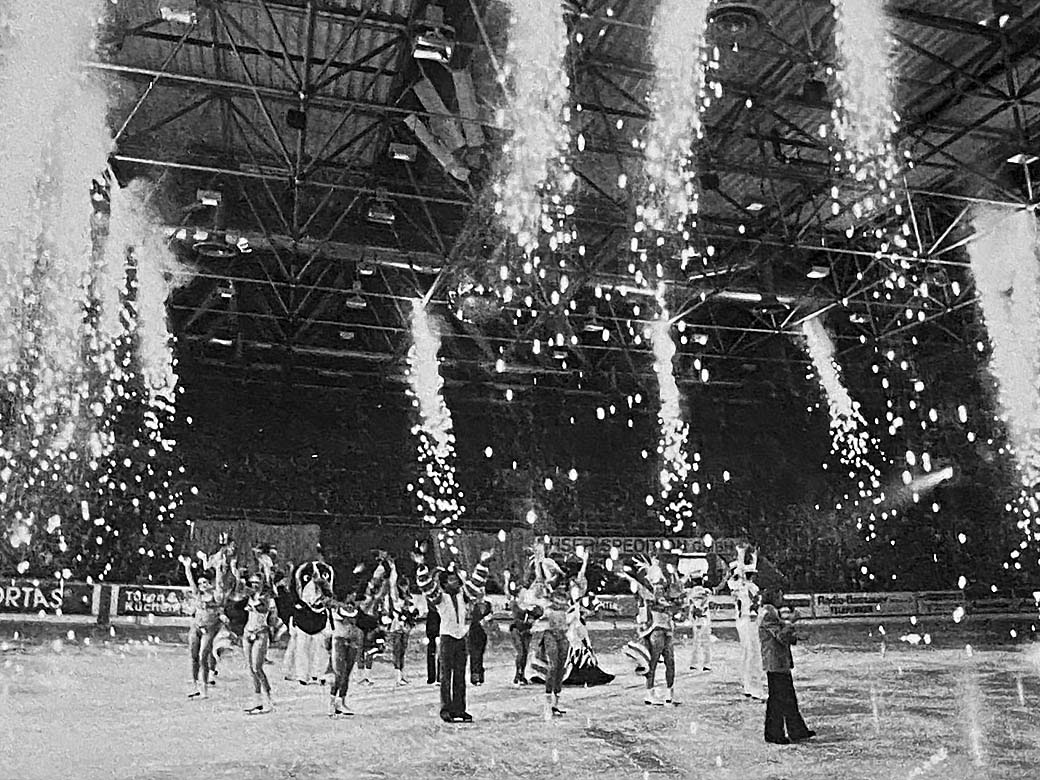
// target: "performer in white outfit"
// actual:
[[699, 598], [745, 591]]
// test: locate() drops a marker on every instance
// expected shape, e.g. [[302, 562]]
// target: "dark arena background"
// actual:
[[696, 337]]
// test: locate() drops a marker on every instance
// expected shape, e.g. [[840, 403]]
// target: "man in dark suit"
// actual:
[[777, 635]]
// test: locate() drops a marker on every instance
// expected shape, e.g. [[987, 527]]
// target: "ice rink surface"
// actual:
[[117, 710]]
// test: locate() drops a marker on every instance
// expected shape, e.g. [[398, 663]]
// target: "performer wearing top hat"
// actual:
[[452, 598]]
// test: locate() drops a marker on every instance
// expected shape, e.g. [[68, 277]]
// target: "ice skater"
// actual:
[[261, 623], [403, 615], [209, 611], [777, 635], [661, 599], [524, 617], [699, 601], [351, 618], [452, 599], [742, 585]]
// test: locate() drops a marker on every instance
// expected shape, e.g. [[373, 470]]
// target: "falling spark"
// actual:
[[437, 491], [536, 112], [677, 99]]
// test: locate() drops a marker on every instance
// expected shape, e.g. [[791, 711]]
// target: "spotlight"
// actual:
[[593, 325], [819, 272], [227, 290], [699, 338], [857, 318], [356, 300], [433, 39], [1022, 158], [366, 268], [381, 210], [403, 152], [560, 354], [755, 206]]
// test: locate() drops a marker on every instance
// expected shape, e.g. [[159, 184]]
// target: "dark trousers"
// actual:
[[476, 639], [661, 647], [555, 647], [398, 646], [522, 646], [344, 655], [782, 709], [452, 656], [432, 667]]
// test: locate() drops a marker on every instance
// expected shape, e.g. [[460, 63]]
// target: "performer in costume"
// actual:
[[551, 591], [452, 599], [776, 636], [403, 616], [432, 623], [520, 629], [698, 598], [662, 599], [582, 667], [308, 658], [209, 607], [350, 621], [745, 592], [261, 623]]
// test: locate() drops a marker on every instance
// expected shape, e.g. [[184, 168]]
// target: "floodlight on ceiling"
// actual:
[[1022, 158], [209, 197], [366, 268], [819, 272], [356, 300], [381, 210], [701, 339], [433, 39], [755, 206], [857, 318], [226, 290], [560, 354], [403, 152], [180, 12], [735, 22]]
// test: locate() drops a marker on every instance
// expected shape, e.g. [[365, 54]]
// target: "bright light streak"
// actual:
[[438, 493], [850, 441], [677, 99], [537, 114], [864, 118], [673, 440]]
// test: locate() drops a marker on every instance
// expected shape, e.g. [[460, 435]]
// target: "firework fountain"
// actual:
[[63, 294], [438, 497]]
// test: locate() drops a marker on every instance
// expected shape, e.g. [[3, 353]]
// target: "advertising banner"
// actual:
[[49, 597], [940, 602], [144, 600], [863, 604]]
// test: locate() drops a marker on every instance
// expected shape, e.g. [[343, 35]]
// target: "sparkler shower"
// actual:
[[674, 434], [534, 176], [438, 494], [677, 99], [864, 119], [64, 355], [1004, 263]]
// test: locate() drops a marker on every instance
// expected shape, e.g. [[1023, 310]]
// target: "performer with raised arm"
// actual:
[[776, 636], [403, 616], [209, 610], [524, 616], [745, 592], [662, 598], [452, 599], [261, 624], [551, 591], [351, 618]]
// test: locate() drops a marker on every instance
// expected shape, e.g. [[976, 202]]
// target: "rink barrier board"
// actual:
[[172, 605]]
